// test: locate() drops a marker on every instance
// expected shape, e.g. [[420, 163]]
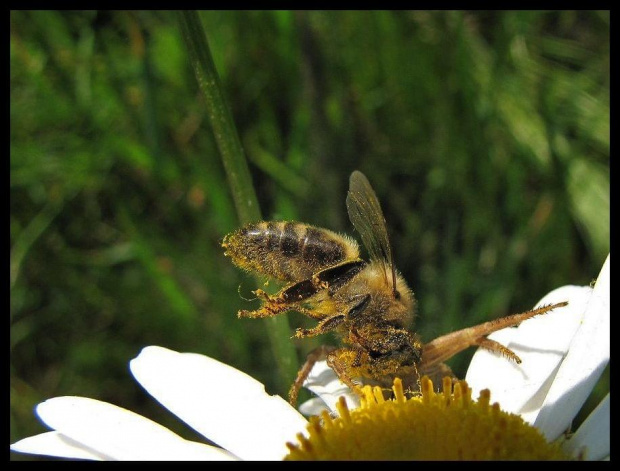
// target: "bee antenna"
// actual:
[[243, 297]]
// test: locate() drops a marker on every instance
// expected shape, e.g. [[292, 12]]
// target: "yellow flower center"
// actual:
[[432, 426]]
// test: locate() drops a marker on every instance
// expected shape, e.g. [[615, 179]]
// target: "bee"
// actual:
[[366, 302]]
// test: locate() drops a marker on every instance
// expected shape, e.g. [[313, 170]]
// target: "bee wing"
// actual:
[[367, 218]]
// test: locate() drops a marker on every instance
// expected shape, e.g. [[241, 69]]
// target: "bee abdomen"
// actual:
[[288, 251]]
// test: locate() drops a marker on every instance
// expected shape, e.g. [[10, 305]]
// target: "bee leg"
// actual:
[[341, 368], [285, 300], [324, 326], [446, 346], [290, 297], [497, 347], [329, 279], [268, 309], [333, 322], [356, 310], [357, 360], [337, 360], [333, 278], [304, 371]]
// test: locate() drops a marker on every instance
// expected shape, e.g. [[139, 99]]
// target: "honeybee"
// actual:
[[368, 303]]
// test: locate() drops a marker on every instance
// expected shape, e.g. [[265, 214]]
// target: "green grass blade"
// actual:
[[220, 118], [236, 168]]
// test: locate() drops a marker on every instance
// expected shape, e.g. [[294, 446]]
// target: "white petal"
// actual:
[[323, 382], [593, 436], [541, 343], [583, 365], [119, 434], [225, 405], [313, 406], [56, 444]]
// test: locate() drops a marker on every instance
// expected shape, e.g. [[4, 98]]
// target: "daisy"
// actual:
[[563, 354], [232, 410]]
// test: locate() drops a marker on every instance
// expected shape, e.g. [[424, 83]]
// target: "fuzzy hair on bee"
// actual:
[[288, 251]]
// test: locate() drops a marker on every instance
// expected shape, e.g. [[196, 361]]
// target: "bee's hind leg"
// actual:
[[497, 347]]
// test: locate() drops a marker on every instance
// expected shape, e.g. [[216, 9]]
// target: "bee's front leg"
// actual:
[[316, 355], [339, 360], [322, 327]]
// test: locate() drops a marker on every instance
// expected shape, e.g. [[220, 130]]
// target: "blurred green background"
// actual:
[[485, 135]]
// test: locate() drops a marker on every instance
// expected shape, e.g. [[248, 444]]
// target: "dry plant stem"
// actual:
[[446, 346]]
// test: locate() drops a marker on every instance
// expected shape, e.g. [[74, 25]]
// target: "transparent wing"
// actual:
[[367, 218]]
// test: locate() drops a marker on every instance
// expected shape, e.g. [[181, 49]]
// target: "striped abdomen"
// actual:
[[290, 251]]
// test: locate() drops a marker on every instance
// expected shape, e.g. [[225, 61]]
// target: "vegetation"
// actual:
[[485, 135]]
